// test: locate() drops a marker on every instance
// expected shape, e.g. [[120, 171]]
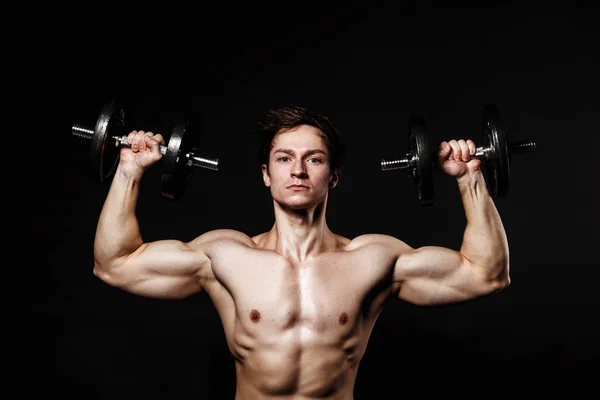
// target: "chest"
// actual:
[[319, 295]]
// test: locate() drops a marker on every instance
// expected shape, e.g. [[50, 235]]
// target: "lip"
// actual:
[[298, 187]]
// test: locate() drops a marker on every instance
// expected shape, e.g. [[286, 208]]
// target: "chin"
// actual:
[[296, 205], [301, 204]]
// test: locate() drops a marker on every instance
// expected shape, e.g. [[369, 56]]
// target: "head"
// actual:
[[299, 146]]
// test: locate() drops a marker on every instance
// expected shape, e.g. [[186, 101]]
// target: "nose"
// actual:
[[299, 170]]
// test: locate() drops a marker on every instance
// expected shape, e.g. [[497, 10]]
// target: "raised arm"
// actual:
[[435, 275], [162, 269]]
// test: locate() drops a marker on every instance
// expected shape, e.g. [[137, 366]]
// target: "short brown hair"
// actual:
[[282, 119]]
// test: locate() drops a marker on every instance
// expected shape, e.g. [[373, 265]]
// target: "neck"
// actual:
[[298, 234]]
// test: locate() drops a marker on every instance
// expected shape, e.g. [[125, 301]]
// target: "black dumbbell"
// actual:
[[495, 153], [179, 155]]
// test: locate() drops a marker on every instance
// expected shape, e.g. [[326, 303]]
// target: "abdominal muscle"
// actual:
[[297, 331], [297, 363]]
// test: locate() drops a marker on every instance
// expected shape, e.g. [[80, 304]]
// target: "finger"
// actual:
[[443, 152], [159, 138], [152, 143], [456, 152], [130, 137], [464, 150], [135, 145], [444, 148], [143, 140], [472, 147], [131, 140]]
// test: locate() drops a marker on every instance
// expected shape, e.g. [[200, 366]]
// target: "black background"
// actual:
[[368, 66]]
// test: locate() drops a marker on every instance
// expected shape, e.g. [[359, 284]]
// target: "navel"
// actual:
[[343, 318], [254, 316]]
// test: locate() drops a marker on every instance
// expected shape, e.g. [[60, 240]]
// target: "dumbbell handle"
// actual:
[[192, 159], [122, 141], [481, 153]]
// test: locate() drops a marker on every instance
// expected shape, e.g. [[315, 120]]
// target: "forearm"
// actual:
[[484, 241], [117, 233]]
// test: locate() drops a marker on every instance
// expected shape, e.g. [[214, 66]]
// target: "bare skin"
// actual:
[[298, 303]]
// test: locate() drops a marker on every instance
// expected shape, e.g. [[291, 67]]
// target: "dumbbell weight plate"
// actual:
[[176, 171], [496, 164], [104, 153], [422, 170]]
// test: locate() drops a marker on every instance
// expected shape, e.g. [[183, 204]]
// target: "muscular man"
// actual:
[[298, 302]]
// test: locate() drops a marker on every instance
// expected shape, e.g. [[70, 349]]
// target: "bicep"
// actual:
[[434, 275], [161, 269]]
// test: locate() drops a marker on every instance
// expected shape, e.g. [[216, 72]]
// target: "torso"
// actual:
[[298, 330]]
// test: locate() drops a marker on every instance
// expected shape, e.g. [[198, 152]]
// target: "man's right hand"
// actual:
[[143, 151]]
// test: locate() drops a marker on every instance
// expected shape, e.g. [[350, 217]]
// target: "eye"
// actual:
[[284, 159], [315, 160]]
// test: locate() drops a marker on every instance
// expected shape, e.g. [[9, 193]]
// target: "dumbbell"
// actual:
[[179, 155], [418, 160], [495, 153]]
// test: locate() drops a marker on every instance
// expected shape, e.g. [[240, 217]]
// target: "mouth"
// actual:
[[298, 187]]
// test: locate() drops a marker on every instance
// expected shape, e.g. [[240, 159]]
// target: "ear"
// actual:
[[265, 174], [333, 181]]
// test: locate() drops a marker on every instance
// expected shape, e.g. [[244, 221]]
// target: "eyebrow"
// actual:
[[307, 153]]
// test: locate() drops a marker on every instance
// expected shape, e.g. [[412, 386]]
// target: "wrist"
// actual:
[[128, 172], [472, 182], [470, 178]]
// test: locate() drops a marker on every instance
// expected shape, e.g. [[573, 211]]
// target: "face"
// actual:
[[299, 175]]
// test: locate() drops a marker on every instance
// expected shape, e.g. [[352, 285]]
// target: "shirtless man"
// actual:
[[298, 303]]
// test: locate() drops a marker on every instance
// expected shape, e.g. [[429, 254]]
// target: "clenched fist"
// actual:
[[455, 157], [143, 151]]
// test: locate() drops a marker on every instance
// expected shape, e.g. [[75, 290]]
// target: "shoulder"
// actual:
[[223, 236], [378, 241]]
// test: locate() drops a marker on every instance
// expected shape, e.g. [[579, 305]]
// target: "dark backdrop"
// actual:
[[368, 66]]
